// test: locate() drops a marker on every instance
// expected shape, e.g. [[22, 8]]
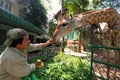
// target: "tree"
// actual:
[[76, 6], [35, 13], [106, 3], [52, 27]]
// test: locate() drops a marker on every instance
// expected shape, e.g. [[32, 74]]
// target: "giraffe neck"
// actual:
[[94, 17]]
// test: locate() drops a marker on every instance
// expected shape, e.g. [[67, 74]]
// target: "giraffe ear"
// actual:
[[71, 16]]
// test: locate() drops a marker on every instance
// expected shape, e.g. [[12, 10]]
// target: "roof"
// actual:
[[10, 19]]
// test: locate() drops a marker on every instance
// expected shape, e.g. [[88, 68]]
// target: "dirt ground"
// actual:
[[110, 73], [107, 72]]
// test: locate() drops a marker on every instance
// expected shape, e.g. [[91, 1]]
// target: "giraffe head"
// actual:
[[65, 26]]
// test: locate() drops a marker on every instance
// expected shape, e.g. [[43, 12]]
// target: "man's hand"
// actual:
[[39, 64]]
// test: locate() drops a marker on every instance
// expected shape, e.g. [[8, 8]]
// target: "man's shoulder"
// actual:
[[10, 53]]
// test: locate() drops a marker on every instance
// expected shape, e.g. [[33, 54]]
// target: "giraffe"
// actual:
[[68, 24], [109, 16]]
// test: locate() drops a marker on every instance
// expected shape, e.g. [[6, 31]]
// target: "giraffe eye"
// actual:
[[64, 24]]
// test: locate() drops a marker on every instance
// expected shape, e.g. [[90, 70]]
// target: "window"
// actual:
[[6, 5], [1, 3]]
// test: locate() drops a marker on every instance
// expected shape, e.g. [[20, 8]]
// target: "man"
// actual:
[[13, 60]]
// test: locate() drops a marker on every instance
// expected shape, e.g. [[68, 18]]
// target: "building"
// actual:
[[13, 6]]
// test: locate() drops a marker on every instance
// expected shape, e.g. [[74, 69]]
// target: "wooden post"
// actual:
[[62, 16], [79, 45], [63, 40]]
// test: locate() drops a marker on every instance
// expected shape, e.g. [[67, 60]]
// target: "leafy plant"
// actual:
[[64, 67]]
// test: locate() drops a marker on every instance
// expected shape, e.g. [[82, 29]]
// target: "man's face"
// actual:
[[25, 43]]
